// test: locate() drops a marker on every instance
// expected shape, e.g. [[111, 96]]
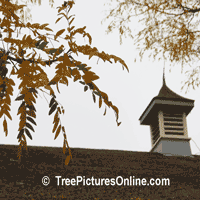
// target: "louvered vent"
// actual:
[[173, 124], [155, 132]]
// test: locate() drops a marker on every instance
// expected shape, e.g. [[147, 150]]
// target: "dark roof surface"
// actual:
[[183, 172], [165, 92]]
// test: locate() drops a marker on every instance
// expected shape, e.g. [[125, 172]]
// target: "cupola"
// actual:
[[166, 115]]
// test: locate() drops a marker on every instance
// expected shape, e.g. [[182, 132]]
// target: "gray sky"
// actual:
[[85, 125]]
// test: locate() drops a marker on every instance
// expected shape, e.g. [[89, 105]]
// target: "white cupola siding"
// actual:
[[166, 115]]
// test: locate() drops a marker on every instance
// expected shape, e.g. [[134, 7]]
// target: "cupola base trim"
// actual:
[[176, 147]]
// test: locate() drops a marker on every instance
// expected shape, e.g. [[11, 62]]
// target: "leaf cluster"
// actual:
[[169, 29], [26, 63]]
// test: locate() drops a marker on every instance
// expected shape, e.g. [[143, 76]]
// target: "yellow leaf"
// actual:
[[31, 113], [63, 129], [58, 19], [60, 9], [104, 95], [89, 37], [61, 81], [57, 132], [115, 109], [24, 37], [29, 98], [42, 77], [48, 29], [67, 60], [65, 136], [60, 66], [64, 147], [7, 100], [41, 62], [11, 82], [67, 160], [61, 58], [55, 79], [22, 122], [70, 29], [8, 114], [63, 15], [91, 54], [64, 78], [59, 33], [59, 110], [29, 39], [55, 126], [48, 87], [5, 126], [34, 32], [67, 37], [5, 107], [36, 25], [71, 21], [43, 26], [56, 119], [1, 113], [67, 72], [89, 76]]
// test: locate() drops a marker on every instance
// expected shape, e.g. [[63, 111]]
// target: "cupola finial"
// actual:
[[164, 82]]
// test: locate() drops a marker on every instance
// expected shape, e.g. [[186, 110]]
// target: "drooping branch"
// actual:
[[33, 77], [20, 60], [186, 9]]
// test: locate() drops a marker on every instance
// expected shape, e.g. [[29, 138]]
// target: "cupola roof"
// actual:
[[165, 92], [166, 100]]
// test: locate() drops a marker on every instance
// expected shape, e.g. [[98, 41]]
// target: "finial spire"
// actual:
[[164, 83]]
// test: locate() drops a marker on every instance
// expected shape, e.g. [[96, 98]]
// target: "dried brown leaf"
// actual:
[[31, 120], [28, 133], [29, 126], [52, 101], [20, 133], [21, 97], [94, 98], [53, 108], [100, 102]]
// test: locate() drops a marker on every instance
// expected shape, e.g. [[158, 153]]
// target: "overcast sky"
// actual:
[[85, 125]]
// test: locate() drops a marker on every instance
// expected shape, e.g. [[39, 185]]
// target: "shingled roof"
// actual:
[[166, 98], [183, 172], [166, 93]]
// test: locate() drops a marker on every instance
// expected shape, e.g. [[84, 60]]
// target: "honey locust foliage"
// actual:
[[25, 13], [25, 62], [170, 29]]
